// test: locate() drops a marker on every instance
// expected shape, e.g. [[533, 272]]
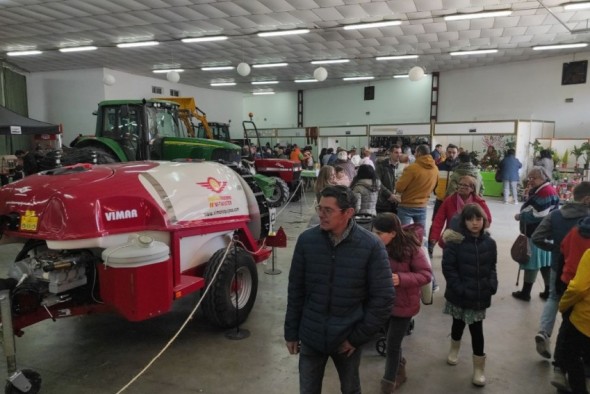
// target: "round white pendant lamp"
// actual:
[[243, 69], [416, 73], [320, 74], [173, 76], [109, 79]]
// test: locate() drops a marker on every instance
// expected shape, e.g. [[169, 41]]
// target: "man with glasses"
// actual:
[[340, 293]]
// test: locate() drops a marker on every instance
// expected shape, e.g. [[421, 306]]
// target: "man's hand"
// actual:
[[395, 279], [394, 198], [347, 348], [293, 347]]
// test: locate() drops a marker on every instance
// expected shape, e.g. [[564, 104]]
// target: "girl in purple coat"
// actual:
[[410, 271]]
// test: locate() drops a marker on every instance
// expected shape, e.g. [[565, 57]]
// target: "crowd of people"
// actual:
[[338, 260]]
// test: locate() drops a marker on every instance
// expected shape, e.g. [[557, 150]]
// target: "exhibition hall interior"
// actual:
[[160, 160]]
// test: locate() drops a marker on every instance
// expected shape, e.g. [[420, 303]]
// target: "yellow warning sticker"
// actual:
[[29, 221]]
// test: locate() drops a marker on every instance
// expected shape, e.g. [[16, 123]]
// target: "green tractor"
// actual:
[[129, 130]]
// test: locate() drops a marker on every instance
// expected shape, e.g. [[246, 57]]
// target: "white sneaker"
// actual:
[[543, 344]]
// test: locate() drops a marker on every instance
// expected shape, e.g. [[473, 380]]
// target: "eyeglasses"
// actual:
[[464, 185], [327, 210]]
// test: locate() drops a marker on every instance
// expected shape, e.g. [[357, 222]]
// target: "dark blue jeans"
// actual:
[[312, 365], [398, 326]]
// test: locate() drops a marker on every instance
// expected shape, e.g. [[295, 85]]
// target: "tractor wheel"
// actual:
[[33, 377], [280, 194], [236, 285], [297, 190]]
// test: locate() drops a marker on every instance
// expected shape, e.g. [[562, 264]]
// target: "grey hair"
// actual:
[[540, 171]]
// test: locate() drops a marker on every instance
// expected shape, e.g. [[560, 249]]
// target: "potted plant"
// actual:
[[577, 153], [556, 158], [565, 158]]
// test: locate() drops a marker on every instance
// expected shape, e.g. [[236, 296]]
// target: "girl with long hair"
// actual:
[[410, 271]]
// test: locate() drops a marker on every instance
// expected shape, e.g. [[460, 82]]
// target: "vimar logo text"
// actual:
[[121, 215]]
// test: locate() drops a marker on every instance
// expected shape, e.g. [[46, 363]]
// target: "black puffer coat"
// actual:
[[338, 293], [469, 267]]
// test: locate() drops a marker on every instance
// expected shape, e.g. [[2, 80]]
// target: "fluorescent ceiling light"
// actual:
[[261, 93], [23, 53], [217, 68], [137, 44], [264, 82], [403, 76], [371, 25], [562, 46], [223, 84], [78, 49], [582, 5], [357, 78], [480, 52], [477, 15], [283, 33], [305, 80], [203, 39], [399, 57], [333, 61], [267, 65], [167, 70]]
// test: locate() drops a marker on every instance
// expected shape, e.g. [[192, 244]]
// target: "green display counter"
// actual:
[[492, 188]]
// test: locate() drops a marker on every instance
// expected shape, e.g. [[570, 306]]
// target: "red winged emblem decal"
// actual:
[[213, 185]]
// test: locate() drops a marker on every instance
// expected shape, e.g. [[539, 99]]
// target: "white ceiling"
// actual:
[[48, 25]]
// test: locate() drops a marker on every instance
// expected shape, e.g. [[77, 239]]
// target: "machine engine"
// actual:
[[48, 278]]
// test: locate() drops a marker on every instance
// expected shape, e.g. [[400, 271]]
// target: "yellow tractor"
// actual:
[[189, 110]]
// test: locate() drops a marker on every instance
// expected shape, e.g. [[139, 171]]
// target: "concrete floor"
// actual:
[[100, 354]]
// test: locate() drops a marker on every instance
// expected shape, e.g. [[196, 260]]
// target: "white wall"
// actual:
[[523, 90], [277, 110], [396, 101], [70, 97], [67, 98]]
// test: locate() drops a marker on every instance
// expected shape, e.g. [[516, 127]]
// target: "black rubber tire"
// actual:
[[280, 194], [219, 304], [381, 346], [34, 379], [296, 191]]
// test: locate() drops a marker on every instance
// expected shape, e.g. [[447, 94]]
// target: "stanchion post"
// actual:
[[272, 270]]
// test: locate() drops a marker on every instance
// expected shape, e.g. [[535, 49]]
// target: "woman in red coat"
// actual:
[[410, 271], [453, 205]]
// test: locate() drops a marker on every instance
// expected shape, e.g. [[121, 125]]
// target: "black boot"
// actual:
[[525, 293], [545, 272]]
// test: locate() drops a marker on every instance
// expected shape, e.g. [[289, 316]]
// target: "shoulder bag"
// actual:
[[520, 250]]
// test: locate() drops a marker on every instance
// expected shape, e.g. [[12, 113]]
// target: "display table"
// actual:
[[491, 187], [310, 173], [308, 177]]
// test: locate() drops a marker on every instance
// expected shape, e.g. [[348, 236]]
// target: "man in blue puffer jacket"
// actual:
[[340, 293]]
